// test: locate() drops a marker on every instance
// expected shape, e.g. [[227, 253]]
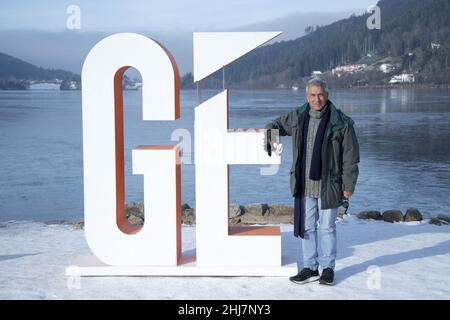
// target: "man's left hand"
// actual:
[[347, 194]]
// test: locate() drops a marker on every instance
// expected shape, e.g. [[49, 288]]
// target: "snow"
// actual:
[[376, 260]]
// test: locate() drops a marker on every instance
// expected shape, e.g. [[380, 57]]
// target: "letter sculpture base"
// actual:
[[89, 265]]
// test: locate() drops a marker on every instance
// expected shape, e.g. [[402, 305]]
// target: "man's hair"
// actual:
[[317, 82]]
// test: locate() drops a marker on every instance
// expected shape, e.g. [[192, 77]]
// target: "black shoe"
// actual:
[[305, 276], [327, 277]]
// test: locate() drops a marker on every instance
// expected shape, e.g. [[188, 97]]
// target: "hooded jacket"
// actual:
[[340, 153]]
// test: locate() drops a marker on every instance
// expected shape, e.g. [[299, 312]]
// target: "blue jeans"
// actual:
[[319, 242]]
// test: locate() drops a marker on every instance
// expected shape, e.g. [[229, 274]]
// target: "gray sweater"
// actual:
[[312, 187]]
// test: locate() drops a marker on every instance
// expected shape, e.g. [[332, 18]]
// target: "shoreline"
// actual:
[[258, 214], [238, 88]]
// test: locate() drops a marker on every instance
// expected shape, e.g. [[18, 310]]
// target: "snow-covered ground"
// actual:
[[376, 260]]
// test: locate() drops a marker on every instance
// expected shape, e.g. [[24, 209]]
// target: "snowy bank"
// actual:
[[376, 260]]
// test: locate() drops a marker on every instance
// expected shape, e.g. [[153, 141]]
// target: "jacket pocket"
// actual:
[[334, 190], [335, 178]]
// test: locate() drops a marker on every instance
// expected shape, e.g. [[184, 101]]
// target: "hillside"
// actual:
[[414, 37], [18, 74]]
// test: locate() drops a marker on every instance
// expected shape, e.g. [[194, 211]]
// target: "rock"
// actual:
[[136, 209], [257, 209], [250, 219], [255, 214], [79, 225], [235, 220], [436, 221], [135, 213], [185, 206], [440, 220], [280, 213], [235, 210], [279, 210], [370, 214], [392, 216], [188, 216], [137, 221], [444, 218], [284, 219], [413, 214], [263, 214]]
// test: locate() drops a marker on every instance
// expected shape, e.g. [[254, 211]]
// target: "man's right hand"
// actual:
[[269, 145], [278, 148]]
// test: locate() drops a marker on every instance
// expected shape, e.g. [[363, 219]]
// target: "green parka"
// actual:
[[340, 153]]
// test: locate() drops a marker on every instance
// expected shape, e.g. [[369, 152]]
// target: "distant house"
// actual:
[[70, 85], [435, 45], [44, 86], [53, 84], [73, 85], [348, 69], [402, 78], [316, 73], [387, 67]]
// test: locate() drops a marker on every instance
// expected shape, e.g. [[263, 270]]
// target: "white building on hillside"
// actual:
[[402, 78], [435, 45], [348, 69], [387, 67]]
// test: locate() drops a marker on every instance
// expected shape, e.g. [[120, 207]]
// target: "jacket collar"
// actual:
[[337, 118]]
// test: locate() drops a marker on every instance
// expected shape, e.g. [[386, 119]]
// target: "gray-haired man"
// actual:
[[324, 173]]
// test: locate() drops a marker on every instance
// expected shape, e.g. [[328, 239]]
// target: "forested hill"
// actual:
[[17, 74], [408, 30]]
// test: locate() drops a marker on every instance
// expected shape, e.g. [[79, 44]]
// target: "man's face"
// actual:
[[317, 97]]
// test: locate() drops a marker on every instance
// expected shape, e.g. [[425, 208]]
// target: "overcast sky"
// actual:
[[167, 15], [35, 30]]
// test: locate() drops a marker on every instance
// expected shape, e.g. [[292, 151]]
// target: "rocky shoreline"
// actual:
[[262, 213]]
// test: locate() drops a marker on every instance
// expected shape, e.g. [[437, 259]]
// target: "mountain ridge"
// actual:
[[18, 74], [415, 35]]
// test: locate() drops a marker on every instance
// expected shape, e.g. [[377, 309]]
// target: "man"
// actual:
[[323, 174]]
